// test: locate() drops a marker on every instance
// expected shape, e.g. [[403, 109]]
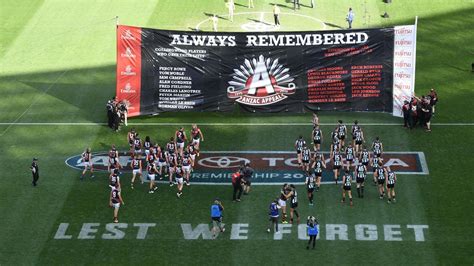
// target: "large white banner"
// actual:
[[404, 60]]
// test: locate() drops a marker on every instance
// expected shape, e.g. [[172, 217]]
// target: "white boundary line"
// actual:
[[208, 124]]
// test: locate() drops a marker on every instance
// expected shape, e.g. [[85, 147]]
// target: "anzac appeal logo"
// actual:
[[260, 82]]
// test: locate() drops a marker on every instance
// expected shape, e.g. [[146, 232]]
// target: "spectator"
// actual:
[[350, 18]]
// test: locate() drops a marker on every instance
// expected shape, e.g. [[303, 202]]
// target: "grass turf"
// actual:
[[68, 76]]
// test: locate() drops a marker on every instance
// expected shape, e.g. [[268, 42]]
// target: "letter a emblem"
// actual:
[[260, 78]]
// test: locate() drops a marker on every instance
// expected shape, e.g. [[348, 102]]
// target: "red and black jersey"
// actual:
[[112, 153], [186, 161], [171, 147], [192, 149], [136, 164], [131, 137], [180, 137], [86, 156], [151, 169], [151, 158], [115, 195], [195, 133]]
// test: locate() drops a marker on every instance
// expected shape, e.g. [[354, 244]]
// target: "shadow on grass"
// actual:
[[443, 59]]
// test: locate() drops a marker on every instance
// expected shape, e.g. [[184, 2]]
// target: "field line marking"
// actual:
[[15, 123], [34, 101]]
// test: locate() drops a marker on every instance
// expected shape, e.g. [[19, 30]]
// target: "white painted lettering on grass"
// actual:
[[339, 230], [88, 231], [200, 230], [418, 228], [282, 229], [61, 233], [113, 231], [366, 232], [392, 232], [143, 229], [239, 232], [302, 232]]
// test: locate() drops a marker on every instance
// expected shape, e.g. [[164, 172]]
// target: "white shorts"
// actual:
[[172, 170], [147, 152], [282, 202], [196, 141], [179, 180], [116, 205], [137, 151], [136, 171], [87, 164], [151, 177], [193, 156], [187, 168], [180, 145], [161, 164]]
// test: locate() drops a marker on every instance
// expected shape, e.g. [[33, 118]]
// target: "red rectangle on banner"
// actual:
[[129, 67]]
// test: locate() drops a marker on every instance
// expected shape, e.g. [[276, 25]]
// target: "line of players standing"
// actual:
[[353, 160], [175, 160]]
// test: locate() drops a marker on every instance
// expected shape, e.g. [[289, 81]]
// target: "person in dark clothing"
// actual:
[[110, 112], [237, 184], [248, 173], [35, 171], [406, 113], [116, 119]]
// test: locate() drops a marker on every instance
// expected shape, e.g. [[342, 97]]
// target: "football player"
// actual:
[[299, 144], [87, 160], [350, 156], [293, 204], [381, 175], [337, 164], [197, 136], [152, 171], [390, 181], [305, 158], [341, 133], [377, 147], [114, 179], [180, 140], [136, 165], [115, 200], [361, 173], [147, 145], [310, 184], [358, 140], [317, 135], [172, 162], [130, 137], [137, 145], [318, 165], [186, 166], [284, 194], [346, 187], [171, 146], [179, 180]]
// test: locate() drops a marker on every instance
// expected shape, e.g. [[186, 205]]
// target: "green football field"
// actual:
[[57, 70]]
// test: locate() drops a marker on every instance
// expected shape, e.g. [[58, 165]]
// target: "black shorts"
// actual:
[[306, 161], [294, 205], [318, 174], [360, 180], [347, 188], [365, 163], [310, 190], [248, 182], [377, 154], [298, 152], [217, 219], [358, 142], [390, 185], [343, 137], [317, 141], [427, 117], [381, 181], [336, 167], [350, 160]]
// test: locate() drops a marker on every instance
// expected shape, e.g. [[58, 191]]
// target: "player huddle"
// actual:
[[351, 159], [174, 161]]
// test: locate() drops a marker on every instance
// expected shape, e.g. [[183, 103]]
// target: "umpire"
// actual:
[[35, 171]]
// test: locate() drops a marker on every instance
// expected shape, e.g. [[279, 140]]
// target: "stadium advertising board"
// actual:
[[348, 70]]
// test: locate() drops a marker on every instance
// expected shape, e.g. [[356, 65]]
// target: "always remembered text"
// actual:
[[314, 39]]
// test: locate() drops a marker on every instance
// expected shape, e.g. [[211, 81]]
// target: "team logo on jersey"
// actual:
[[261, 82]]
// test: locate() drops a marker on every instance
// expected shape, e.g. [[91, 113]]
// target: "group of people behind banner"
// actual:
[[420, 110]]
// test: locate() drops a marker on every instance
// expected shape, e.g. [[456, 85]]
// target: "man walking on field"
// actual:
[[231, 7], [276, 15]]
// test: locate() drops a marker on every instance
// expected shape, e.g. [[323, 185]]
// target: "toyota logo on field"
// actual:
[[223, 162]]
